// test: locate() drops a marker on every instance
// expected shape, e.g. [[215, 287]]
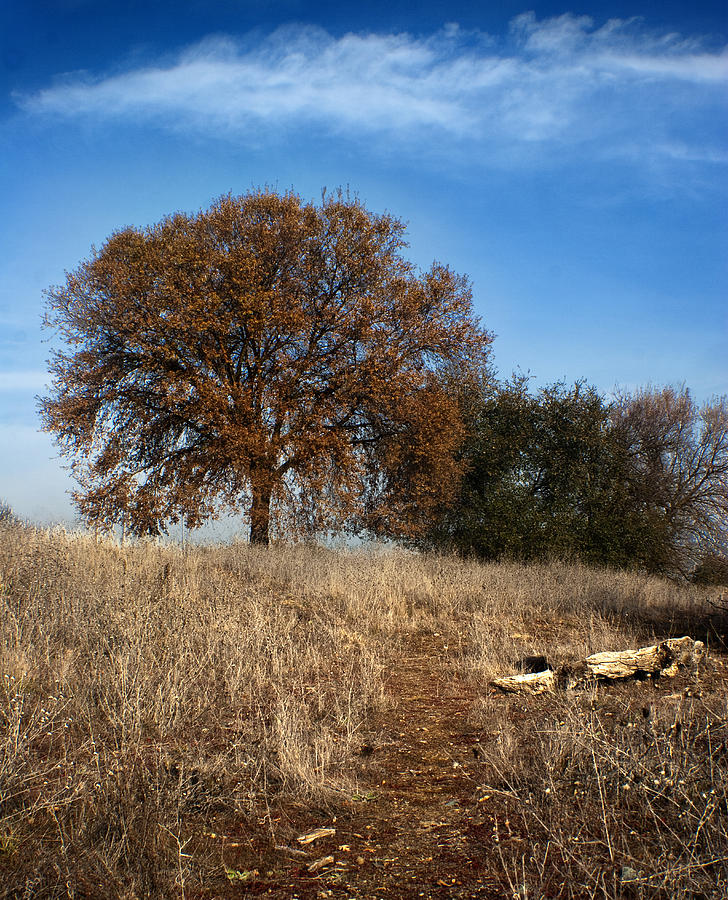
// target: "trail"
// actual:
[[415, 826]]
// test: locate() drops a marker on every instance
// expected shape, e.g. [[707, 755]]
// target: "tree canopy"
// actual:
[[638, 482], [544, 477], [678, 472], [267, 355]]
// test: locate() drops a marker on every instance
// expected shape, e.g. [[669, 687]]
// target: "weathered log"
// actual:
[[530, 683], [659, 659], [321, 863], [664, 659]]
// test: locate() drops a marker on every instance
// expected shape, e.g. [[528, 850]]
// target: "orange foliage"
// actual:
[[269, 355]]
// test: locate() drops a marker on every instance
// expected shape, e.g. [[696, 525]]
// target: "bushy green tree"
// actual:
[[564, 473], [494, 508], [580, 489]]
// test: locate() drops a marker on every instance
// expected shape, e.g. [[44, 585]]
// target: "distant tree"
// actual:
[[546, 475], [641, 482], [678, 472], [269, 355], [579, 485], [712, 569], [494, 511]]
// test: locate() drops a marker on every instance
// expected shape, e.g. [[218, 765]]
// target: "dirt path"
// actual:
[[414, 828], [423, 830]]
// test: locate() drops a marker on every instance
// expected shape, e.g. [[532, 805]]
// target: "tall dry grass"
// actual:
[[144, 685], [146, 689], [617, 791]]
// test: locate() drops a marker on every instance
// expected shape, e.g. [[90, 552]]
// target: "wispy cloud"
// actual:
[[550, 83]]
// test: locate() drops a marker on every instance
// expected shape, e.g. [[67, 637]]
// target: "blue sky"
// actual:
[[569, 157]]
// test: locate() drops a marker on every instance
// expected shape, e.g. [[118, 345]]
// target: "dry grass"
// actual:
[[609, 798], [617, 791], [143, 690], [142, 686]]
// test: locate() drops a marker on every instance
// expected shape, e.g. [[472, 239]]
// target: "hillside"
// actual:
[[171, 723]]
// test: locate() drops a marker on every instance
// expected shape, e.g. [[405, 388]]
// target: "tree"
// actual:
[[268, 355], [494, 510], [641, 482], [712, 570], [581, 485], [678, 472], [8, 519], [545, 476]]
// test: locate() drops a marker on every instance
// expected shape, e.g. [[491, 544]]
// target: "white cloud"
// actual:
[[560, 82]]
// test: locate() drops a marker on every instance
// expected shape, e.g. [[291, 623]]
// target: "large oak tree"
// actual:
[[266, 355]]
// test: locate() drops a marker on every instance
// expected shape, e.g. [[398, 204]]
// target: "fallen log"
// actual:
[[658, 660], [530, 683], [663, 659]]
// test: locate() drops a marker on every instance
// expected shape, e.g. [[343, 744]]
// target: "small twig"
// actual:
[[604, 806], [181, 855]]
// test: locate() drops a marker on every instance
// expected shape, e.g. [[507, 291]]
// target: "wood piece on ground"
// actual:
[[664, 659], [291, 851], [320, 863], [659, 659], [530, 683], [314, 835]]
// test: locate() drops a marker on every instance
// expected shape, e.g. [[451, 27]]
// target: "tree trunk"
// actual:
[[260, 513]]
